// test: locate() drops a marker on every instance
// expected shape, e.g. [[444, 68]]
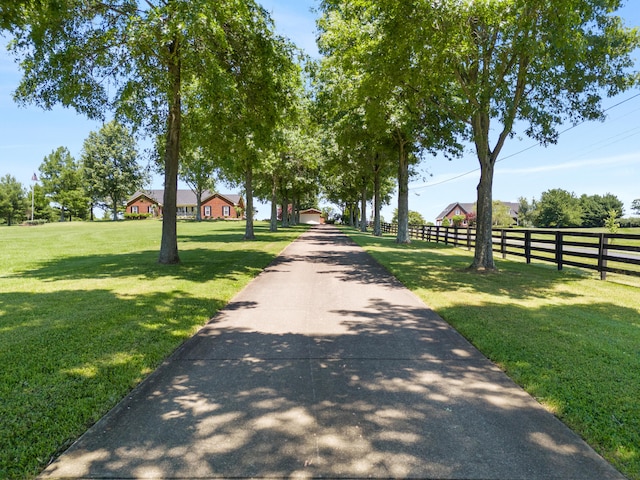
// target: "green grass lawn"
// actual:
[[571, 341], [86, 312]]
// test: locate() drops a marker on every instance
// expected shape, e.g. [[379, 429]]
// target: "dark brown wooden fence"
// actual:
[[604, 252]]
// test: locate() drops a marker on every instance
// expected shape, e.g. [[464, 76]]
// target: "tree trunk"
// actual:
[[292, 216], [483, 255], [115, 211], [377, 228], [249, 234], [169, 241], [285, 211], [198, 205], [363, 207], [403, 193], [273, 225]]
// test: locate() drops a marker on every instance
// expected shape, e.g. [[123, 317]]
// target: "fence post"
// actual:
[[428, 234], [602, 256], [503, 243], [559, 249], [438, 234], [468, 237], [446, 235], [527, 245]]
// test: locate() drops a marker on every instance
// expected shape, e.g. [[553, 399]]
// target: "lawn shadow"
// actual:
[[198, 264], [69, 356], [444, 268]]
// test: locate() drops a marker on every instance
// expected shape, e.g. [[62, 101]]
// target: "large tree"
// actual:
[[558, 208], [596, 209], [365, 73], [110, 168], [289, 176], [499, 67], [197, 170], [62, 182], [139, 57], [13, 201]]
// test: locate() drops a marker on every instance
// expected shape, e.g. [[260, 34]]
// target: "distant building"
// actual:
[[465, 209], [311, 216], [213, 205]]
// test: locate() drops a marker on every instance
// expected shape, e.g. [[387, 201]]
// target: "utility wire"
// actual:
[[533, 146]]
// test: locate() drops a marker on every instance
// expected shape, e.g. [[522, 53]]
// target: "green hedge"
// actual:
[[137, 216], [33, 223]]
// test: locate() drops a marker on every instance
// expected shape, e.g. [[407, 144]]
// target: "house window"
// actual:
[[226, 211], [134, 209], [458, 212], [207, 210], [150, 209]]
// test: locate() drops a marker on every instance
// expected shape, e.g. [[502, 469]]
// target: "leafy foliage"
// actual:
[[156, 63], [596, 209], [109, 166], [501, 215], [487, 67], [13, 202], [558, 208], [62, 182]]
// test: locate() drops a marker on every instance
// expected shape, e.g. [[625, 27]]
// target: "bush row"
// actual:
[[137, 216]]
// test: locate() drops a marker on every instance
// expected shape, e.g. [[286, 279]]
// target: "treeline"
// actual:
[[558, 208], [106, 174]]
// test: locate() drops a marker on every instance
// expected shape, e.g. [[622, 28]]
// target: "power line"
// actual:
[[534, 146]]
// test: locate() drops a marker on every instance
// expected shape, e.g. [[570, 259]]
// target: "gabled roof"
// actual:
[[469, 207], [465, 207], [184, 197], [310, 210]]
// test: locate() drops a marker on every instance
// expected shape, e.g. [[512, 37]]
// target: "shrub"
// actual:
[[33, 223], [137, 216]]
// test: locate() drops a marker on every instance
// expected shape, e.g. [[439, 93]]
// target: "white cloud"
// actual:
[[626, 159]]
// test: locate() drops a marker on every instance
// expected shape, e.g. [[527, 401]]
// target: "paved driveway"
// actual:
[[326, 367]]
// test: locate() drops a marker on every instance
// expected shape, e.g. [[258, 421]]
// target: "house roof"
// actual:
[[310, 210], [465, 207], [469, 207], [184, 197]]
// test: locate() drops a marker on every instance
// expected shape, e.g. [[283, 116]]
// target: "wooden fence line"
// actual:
[[603, 252]]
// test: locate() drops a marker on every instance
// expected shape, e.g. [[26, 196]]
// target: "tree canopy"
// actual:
[[152, 63], [62, 182], [13, 201], [110, 168], [491, 69], [558, 208]]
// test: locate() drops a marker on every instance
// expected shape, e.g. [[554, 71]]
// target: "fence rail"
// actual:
[[604, 252]]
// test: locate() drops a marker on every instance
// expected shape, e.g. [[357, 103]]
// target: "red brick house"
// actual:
[[458, 208], [214, 205], [454, 209]]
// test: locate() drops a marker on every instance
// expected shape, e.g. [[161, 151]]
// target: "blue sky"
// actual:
[[592, 158]]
